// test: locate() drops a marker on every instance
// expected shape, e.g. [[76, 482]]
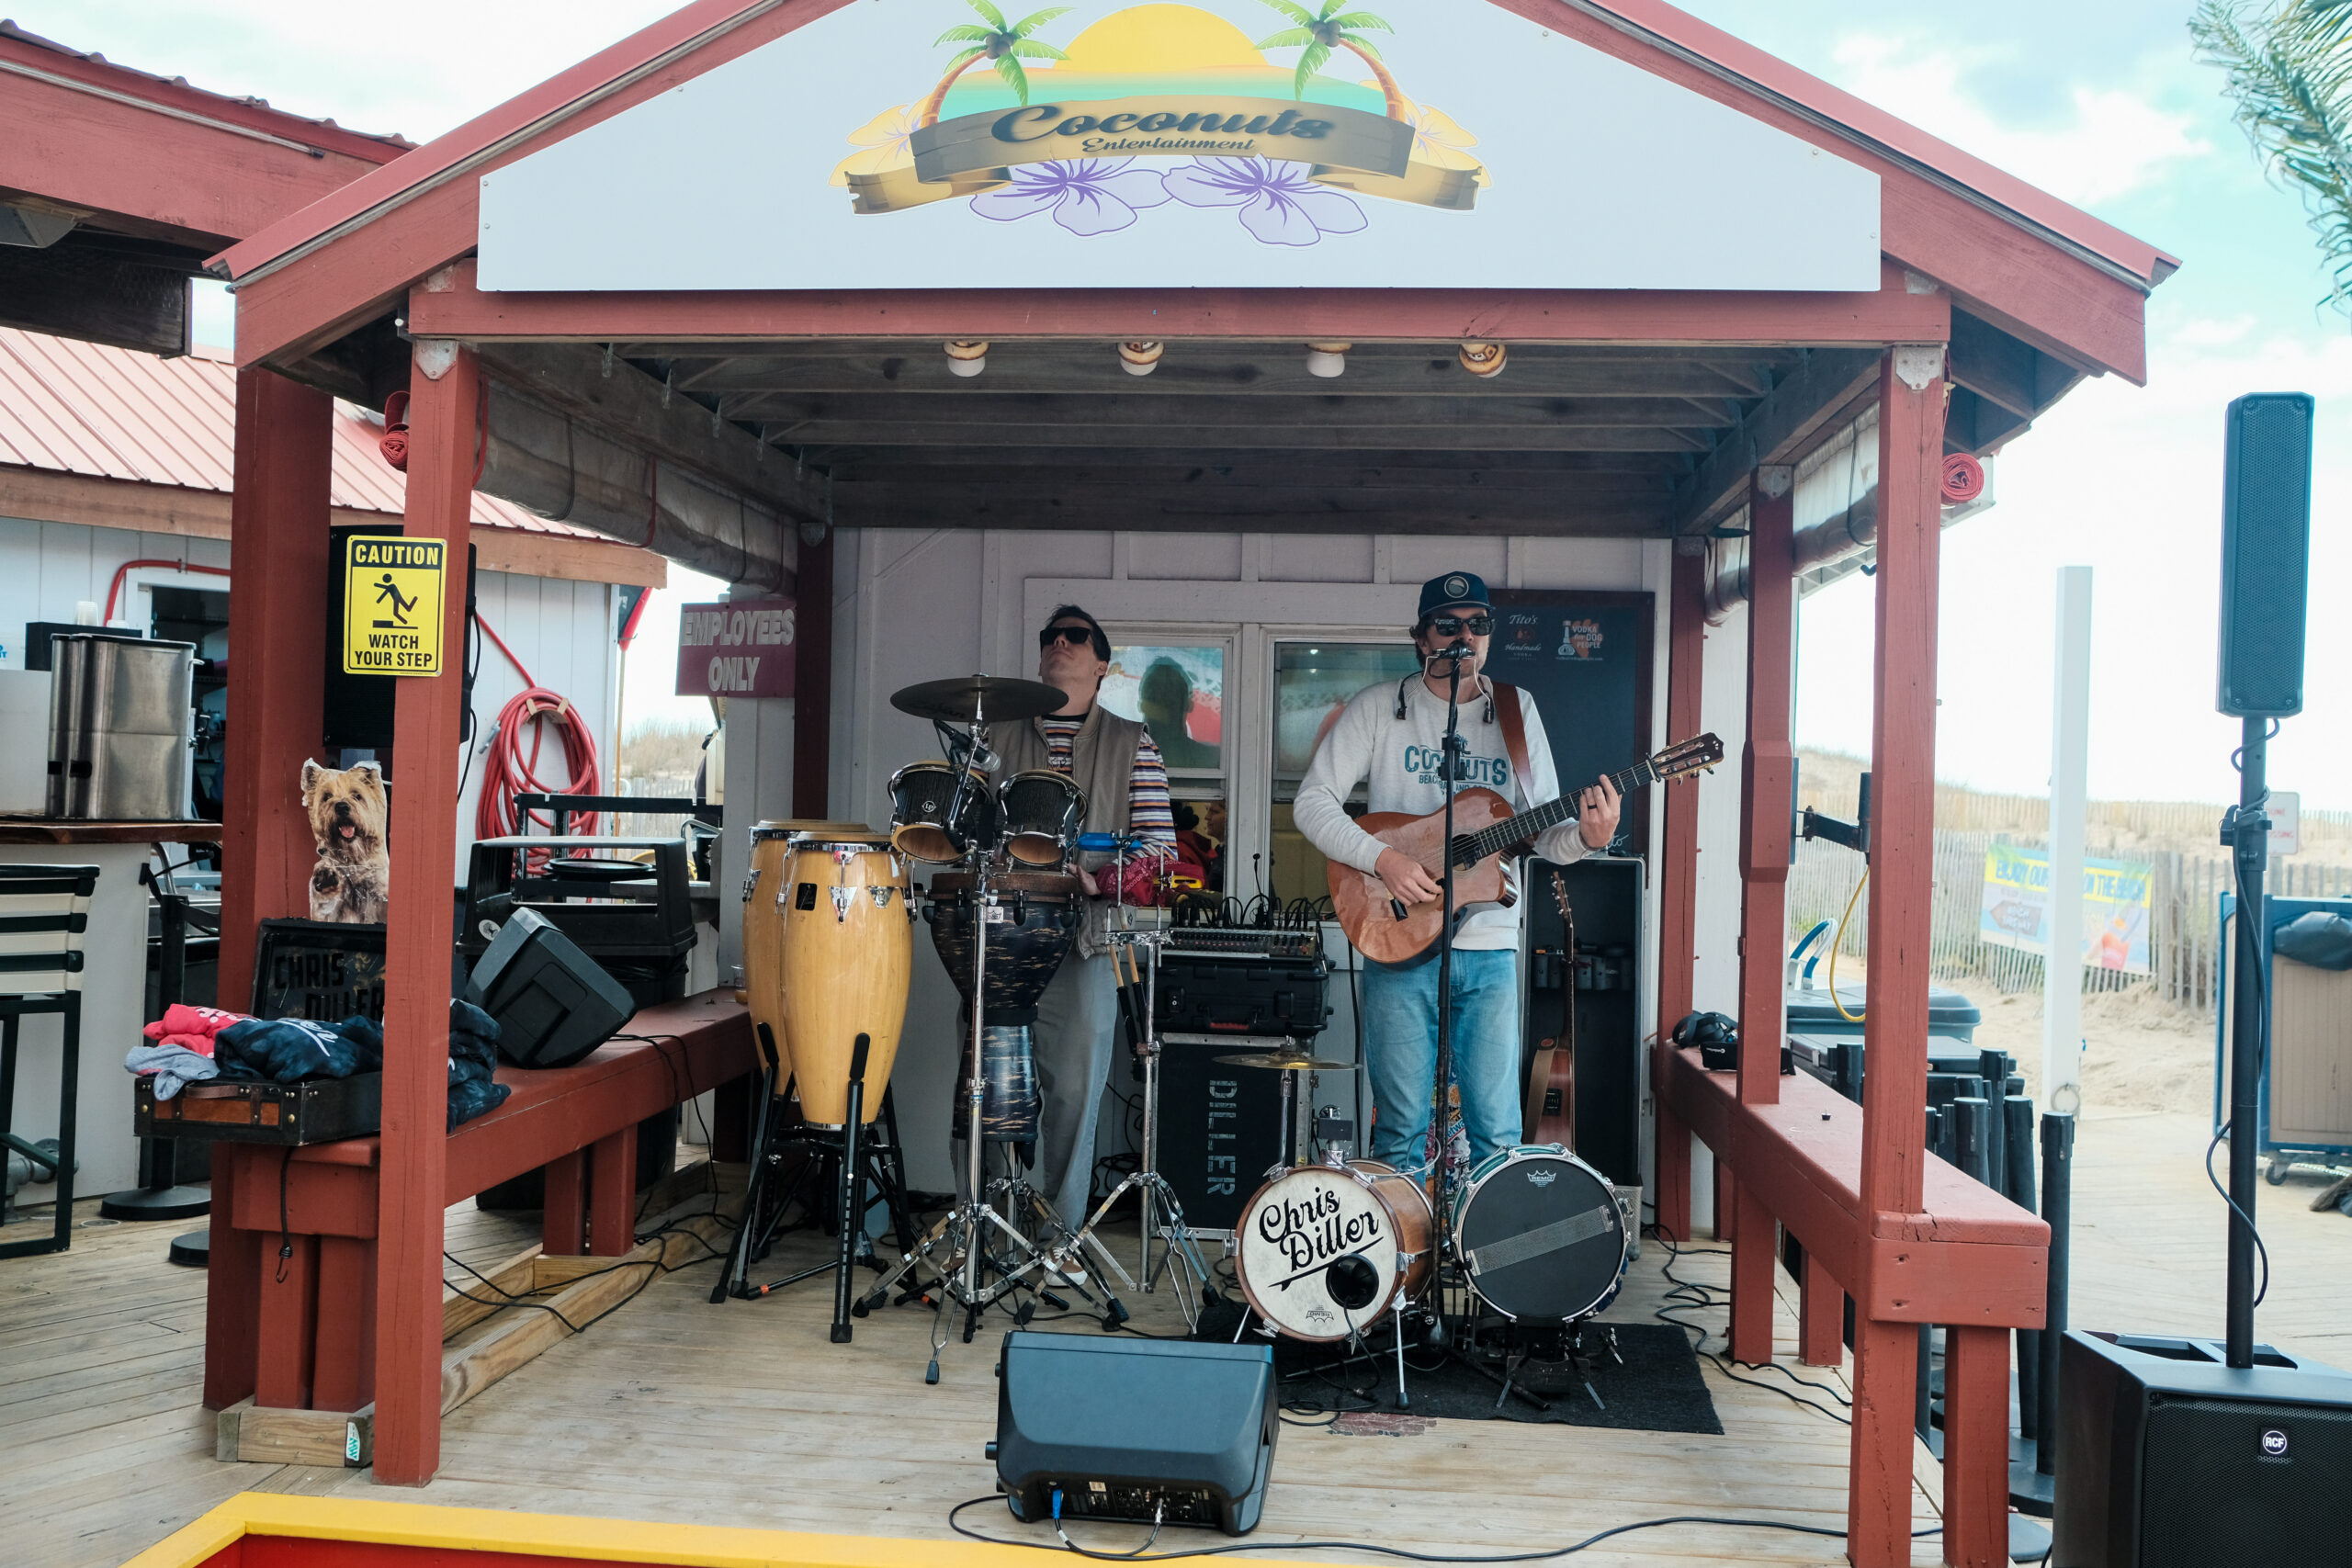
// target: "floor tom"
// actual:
[[1541, 1235]]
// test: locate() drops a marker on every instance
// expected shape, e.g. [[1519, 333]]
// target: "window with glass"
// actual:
[[1177, 690], [1313, 681]]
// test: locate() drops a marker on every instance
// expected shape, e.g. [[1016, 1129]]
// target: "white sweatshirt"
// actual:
[[1400, 758]]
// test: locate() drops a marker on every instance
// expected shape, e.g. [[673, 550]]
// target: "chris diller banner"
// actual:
[[934, 143]]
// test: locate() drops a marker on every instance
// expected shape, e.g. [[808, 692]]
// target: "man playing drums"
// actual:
[[1394, 736], [1115, 760]]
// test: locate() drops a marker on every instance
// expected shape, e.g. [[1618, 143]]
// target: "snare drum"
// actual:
[[1322, 1250], [1542, 1236], [928, 822], [763, 925], [1043, 815], [848, 946]]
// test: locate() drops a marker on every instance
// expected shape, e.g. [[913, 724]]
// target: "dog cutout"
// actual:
[[348, 815]]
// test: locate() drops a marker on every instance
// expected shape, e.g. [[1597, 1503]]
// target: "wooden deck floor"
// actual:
[[675, 1410]]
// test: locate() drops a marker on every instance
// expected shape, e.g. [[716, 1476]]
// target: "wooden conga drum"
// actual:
[[847, 946], [763, 926]]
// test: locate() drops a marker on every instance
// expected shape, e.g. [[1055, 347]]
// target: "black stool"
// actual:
[[44, 912]]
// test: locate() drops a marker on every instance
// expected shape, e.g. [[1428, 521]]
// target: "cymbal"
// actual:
[[1280, 1061], [967, 699]]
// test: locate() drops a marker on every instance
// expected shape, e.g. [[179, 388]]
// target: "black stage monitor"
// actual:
[[2167, 1458], [553, 1002], [1135, 1430]]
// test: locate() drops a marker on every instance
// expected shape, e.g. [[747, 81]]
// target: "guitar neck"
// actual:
[[1542, 819]]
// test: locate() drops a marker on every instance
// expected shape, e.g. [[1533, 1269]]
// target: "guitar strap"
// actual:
[[1514, 723]]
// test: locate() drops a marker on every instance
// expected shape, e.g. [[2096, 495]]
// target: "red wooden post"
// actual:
[[277, 552], [289, 1310], [1726, 1201], [1821, 1316], [612, 1193], [563, 1221], [1976, 1445], [1902, 810], [343, 1377], [1767, 776], [1678, 875], [444, 391], [812, 678]]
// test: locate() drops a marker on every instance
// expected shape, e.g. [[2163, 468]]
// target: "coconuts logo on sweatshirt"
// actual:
[[1164, 103]]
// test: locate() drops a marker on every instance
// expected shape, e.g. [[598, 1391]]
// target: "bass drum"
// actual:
[[1541, 1235], [763, 925], [1322, 1250]]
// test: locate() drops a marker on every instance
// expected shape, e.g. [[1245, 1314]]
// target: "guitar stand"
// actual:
[[854, 1158]]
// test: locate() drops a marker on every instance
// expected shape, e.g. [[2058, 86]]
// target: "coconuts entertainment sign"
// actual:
[[1323, 143]]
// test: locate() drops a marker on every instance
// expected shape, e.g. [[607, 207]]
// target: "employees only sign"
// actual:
[[391, 605], [739, 648]]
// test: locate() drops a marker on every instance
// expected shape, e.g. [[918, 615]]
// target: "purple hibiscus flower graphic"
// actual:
[[1096, 197], [1279, 205]]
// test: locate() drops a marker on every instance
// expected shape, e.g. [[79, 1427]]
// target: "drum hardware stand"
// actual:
[[857, 1161]]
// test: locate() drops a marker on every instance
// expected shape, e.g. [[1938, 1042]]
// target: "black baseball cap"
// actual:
[[1454, 589]]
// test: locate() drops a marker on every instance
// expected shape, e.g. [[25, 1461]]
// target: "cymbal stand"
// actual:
[[1180, 1255]]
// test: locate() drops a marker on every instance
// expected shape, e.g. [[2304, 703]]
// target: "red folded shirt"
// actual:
[[191, 1028]]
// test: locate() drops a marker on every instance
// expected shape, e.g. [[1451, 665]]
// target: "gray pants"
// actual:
[[1077, 1020]]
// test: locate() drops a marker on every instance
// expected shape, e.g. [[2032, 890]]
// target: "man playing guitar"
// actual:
[[1393, 736]]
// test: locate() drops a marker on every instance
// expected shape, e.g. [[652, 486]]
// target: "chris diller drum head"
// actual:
[[1322, 1250], [1541, 1235]]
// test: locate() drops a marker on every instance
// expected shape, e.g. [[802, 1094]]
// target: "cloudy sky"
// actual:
[[2098, 101]]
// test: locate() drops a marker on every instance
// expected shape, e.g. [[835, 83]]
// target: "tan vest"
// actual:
[[1102, 762]]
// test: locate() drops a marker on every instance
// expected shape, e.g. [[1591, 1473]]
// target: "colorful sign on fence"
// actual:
[[2116, 899]]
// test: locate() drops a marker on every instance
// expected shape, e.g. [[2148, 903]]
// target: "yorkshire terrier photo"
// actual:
[[348, 816]]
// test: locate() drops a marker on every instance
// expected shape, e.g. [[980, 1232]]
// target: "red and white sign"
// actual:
[[742, 647]]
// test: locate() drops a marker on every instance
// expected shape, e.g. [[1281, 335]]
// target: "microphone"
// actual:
[[1457, 651]]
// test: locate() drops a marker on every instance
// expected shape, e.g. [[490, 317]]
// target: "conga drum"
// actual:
[[763, 925], [1032, 919], [847, 946]]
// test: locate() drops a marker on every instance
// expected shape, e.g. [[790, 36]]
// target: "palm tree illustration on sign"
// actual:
[[1007, 43], [1333, 28]]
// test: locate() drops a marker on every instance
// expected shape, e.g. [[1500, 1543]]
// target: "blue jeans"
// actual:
[[1400, 1048]]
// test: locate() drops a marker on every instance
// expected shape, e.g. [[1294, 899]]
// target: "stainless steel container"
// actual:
[[120, 743]]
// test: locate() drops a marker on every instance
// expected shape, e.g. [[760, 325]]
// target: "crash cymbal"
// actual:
[[1279, 1061], [984, 699]]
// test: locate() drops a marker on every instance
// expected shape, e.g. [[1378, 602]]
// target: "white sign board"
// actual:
[[2285, 808], [1426, 143]]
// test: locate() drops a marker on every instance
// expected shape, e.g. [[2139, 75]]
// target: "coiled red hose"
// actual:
[[507, 773]]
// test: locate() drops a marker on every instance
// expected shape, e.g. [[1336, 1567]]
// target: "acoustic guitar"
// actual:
[[1485, 831]]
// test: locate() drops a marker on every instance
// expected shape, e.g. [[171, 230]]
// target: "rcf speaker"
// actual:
[[2169, 1459], [2265, 553], [1135, 1430]]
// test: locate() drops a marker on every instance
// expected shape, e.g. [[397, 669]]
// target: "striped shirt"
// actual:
[[1150, 812]]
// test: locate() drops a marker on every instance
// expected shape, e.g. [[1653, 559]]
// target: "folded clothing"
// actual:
[[192, 1028], [173, 1067], [288, 1050], [473, 1058]]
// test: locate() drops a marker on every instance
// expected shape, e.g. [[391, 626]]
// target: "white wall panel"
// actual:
[[1199, 557], [1314, 557], [1414, 558]]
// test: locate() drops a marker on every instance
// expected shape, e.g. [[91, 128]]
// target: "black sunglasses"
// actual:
[[1072, 635], [1454, 625]]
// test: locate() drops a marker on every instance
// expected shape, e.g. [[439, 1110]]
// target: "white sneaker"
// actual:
[[1066, 1271]]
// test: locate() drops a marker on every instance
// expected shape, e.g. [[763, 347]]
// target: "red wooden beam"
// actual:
[[1976, 1447], [445, 389], [1903, 825], [1821, 1316], [1767, 778], [452, 305], [1678, 878], [277, 555]]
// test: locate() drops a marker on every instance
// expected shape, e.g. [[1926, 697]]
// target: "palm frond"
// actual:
[[1361, 21], [963, 35], [1014, 77], [2288, 80], [1035, 19], [1299, 14], [1030, 48], [995, 17], [1308, 64], [964, 58], [1289, 37]]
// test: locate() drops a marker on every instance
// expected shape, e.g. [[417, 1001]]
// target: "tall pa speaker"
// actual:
[[1151, 1431], [2167, 1458], [2265, 553]]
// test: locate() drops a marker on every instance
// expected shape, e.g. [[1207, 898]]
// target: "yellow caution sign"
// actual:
[[391, 605]]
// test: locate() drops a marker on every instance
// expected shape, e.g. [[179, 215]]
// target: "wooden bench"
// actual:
[[291, 1324]]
